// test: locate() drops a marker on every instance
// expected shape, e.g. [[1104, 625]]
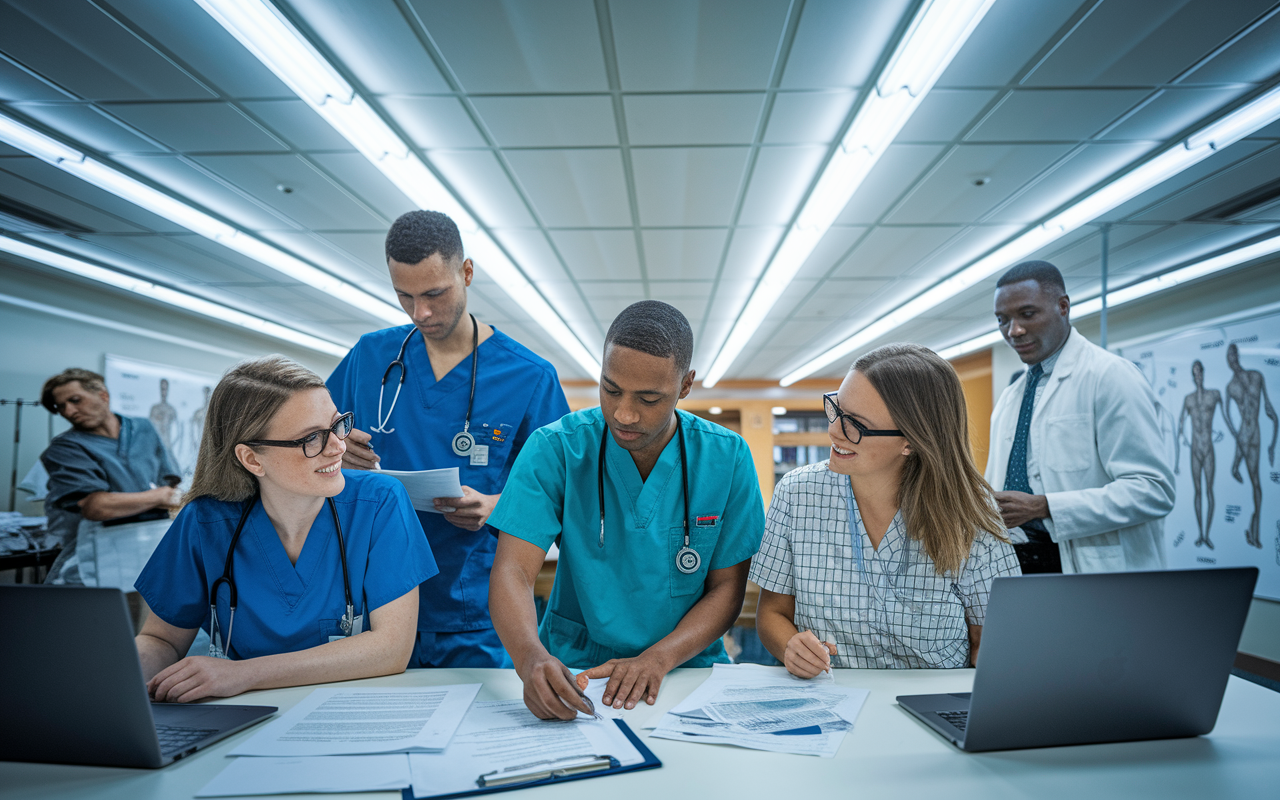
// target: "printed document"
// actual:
[[765, 708], [319, 774], [504, 737], [425, 485], [340, 722]]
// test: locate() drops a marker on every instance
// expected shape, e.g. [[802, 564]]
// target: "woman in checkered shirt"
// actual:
[[883, 556]]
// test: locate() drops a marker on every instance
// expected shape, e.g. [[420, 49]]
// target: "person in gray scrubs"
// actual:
[[107, 468]]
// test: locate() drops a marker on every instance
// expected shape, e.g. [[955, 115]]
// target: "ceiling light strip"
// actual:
[[173, 297], [938, 31], [1139, 290], [111, 180], [266, 33], [1254, 115]]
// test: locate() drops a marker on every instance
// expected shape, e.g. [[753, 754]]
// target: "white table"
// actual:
[[888, 754]]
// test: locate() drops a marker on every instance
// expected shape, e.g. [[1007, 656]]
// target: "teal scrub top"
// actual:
[[619, 599]]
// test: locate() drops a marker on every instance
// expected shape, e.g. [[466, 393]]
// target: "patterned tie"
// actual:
[[1015, 479]]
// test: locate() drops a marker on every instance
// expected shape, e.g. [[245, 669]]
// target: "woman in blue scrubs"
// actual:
[[270, 467]]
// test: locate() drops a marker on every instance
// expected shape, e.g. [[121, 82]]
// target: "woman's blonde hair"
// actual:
[[240, 409], [944, 500]]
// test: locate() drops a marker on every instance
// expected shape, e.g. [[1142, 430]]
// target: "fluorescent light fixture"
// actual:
[[778, 411], [172, 297], [716, 411], [1258, 113], [938, 31], [1135, 291], [264, 31], [121, 185]]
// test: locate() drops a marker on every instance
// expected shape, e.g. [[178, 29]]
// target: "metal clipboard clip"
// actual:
[[547, 770]]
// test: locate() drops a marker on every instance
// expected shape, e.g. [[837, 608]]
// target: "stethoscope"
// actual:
[[462, 442], [687, 559], [350, 624]]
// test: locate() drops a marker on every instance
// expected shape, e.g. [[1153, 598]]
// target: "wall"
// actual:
[[36, 344]]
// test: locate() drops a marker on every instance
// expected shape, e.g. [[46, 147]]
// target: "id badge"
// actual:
[[357, 627], [480, 455]]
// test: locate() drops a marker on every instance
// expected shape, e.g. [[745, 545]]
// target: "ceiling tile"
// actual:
[[17, 85], [81, 125], [599, 290], [533, 253], [1254, 59], [1187, 181], [186, 258], [749, 252], [189, 180], [685, 290], [1174, 111], [781, 177], [887, 252], [574, 188], [375, 41], [831, 250], [962, 249], [838, 42], [1087, 167], [1142, 44], [696, 186], [315, 202], [522, 47], [599, 254], [1005, 41], [696, 45], [1224, 185], [1029, 115], [297, 124], [432, 122], [691, 119], [948, 194], [481, 181], [683, 254], [836, 297], [895, 173], [808, 117], [81, 49], [49, 188], [329, 256], [544, 121], [944, 114], [198, 127]]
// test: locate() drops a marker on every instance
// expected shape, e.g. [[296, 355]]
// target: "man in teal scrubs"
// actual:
[[652, 579]]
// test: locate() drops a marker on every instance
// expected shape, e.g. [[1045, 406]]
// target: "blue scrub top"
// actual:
[[81, 463], [516, 393], [618, 600], [285, 607]]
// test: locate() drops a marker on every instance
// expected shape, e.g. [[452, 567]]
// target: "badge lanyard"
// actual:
[[350, 624], [855, 535], [687, 559], [464, 441]]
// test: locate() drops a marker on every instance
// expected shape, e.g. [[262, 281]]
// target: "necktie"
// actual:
[[1015, 479]]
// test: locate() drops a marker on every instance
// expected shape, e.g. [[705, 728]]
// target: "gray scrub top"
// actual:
[[81, 463]]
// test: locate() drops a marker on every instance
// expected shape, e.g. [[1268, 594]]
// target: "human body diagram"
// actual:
[[1248, 390], [1200, 406]]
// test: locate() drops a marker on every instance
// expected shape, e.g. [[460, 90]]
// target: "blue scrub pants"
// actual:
[[482, 649]]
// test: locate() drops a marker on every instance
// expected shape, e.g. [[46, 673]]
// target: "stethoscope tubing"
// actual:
[[684, 478], [399, 362]]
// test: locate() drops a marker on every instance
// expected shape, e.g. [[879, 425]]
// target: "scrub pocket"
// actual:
[[927, 629], [329, 628], [704, 541]]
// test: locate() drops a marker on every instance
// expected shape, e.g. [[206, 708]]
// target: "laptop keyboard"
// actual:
[[956, 718], [174, 739]]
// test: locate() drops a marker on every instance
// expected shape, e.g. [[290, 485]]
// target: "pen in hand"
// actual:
[[587, 701]]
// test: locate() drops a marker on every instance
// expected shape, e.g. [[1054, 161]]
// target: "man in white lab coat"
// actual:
[[1077, 459]]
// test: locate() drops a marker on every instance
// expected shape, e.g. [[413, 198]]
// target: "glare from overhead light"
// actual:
[[1136, 291], [187, 302], [134, 191], [937, 32], [265, 32], [1256, 114], [778, 411], [716, 411]]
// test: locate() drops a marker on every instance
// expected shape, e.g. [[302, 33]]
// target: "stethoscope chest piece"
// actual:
[[688, 560], [462, 443]]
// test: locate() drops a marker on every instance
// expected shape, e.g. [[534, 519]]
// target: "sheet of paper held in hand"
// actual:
[[341, 722], [425, 485], [765, 708], [318, 774], [503, 736]]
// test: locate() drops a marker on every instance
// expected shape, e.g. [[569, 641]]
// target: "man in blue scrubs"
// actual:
[[654, 547], [107, 468], [459, 375]]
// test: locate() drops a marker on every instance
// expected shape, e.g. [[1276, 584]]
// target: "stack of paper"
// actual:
[[765, 708], [345, 740]]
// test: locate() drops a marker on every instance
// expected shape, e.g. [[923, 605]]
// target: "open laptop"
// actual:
[[73, 686], [1080, 659]]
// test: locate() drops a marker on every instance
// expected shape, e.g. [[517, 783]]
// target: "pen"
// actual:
[[587, 701]]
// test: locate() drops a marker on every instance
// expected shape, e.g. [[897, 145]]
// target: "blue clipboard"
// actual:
[[650, 762]]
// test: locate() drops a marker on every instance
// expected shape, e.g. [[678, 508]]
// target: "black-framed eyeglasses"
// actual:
[[313, 444], [832, 408]]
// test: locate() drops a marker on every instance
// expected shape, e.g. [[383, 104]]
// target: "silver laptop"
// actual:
[[73, 686], [1080, 659]]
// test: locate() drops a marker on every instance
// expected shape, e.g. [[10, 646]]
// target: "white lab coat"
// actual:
[[1098, 457]]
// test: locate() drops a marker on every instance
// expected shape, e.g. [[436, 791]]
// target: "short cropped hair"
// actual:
[[91, 381], [1042, 272], [421, 234], [656, 328]]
